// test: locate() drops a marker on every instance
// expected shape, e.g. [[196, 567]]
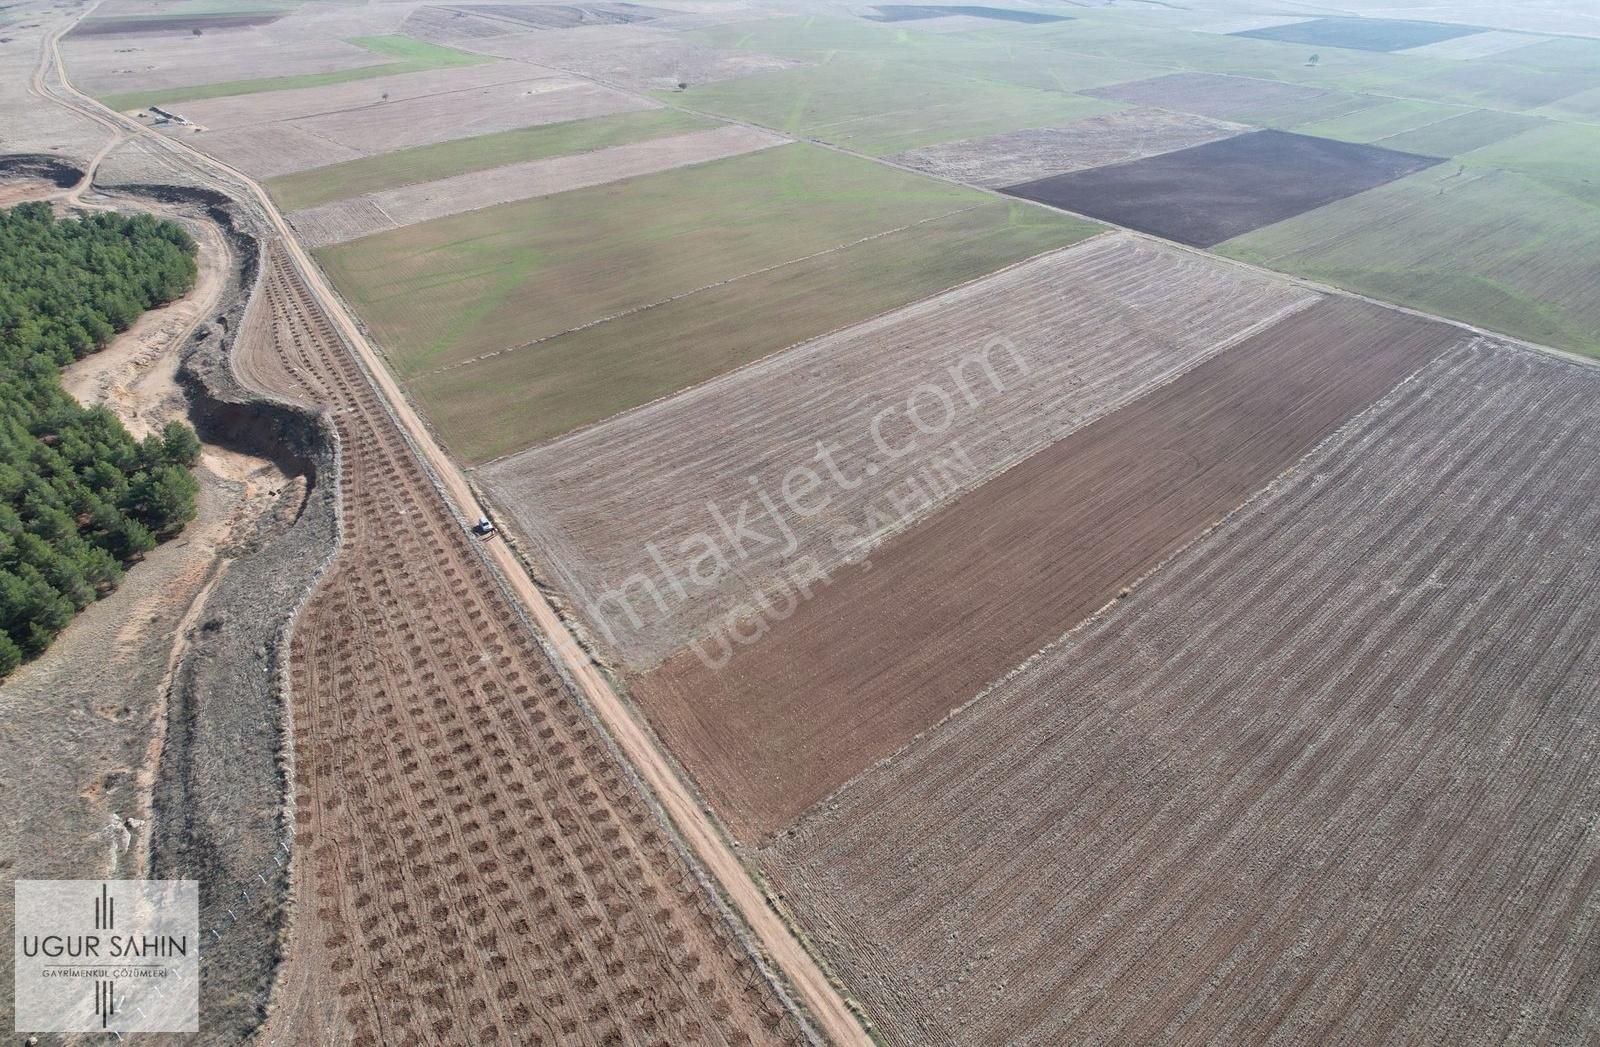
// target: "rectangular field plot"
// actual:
[[1024, 156], [104, 66], [1490, 247], [341, 136], [1326, 778], [509, 400], [499, 107], [450, 290], [880, 108], [1460, 134], [1213, 192], [405, 56], [1361, 34], [191, 24], [1083, 330], [1503, 85], [633, 56], [352, 219], [1478, 45], [1565, 157], [1381, 123], [240, 111], [1242, 99], [427, 163], [811, 692]]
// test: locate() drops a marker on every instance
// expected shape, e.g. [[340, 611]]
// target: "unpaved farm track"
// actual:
[[476, 864]]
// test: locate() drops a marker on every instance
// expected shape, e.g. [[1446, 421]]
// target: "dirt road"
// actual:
[[445, 777], [826, 1007]]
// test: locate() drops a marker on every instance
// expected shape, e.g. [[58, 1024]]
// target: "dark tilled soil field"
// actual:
[[1361, 34], [1214, 192], [172, 24], [959, 600], [1328, 778]]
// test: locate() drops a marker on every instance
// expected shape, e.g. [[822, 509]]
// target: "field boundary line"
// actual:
[[1427, 124]]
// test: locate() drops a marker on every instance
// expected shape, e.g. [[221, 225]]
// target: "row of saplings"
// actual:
[[80, 498]]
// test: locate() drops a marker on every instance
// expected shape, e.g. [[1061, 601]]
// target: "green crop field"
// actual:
[[1564, 157], [1382, 123], [463, 155], [1461, 134], [697, 268], [412, 56], [443, 291], [1490, 247], [513, 400], [881, 108]]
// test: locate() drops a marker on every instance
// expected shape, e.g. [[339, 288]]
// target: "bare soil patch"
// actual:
[[361, 216], [445, 774], [1035, 153], [106, 64], [1214, 192], [1325, 779], [235, 111], [1239, 98], [957, 601], [1362, 34], [1086, 329], [341, 221], [461, 114], [271, 149], [15, 191]]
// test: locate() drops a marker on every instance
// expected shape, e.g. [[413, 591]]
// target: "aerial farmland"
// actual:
[[815, 523]]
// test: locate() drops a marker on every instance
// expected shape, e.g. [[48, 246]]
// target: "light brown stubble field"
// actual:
[[1327, 778], [807, 699], [1082, 331]]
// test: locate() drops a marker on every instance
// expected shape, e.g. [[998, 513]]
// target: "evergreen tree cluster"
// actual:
[[79, 496]]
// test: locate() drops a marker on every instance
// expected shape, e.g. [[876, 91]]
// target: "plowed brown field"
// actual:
[[475, 863], [958, 600], [1329, 778]]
